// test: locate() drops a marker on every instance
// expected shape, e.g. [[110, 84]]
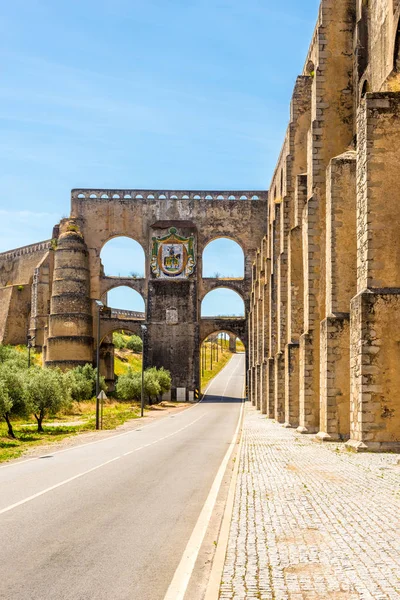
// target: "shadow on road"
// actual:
[[219, 399]]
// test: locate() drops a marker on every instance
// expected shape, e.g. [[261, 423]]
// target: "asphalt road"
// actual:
[[111, 519]]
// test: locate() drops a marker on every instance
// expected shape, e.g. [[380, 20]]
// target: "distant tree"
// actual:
[[119, 340], [134, 343]]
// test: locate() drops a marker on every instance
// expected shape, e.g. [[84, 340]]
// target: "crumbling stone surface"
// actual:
[[329, 268]]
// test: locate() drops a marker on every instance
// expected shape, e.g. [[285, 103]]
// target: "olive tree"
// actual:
[[47, 392], [12, 394]]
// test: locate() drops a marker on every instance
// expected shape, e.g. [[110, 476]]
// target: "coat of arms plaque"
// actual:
[[173, 256]]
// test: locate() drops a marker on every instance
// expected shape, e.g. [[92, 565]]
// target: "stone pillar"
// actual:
[[291, 385], [341, 285], [309, 340], [232, 344], [70, 334], [270, 408], [295, 309], [375, 323], [279, 381]]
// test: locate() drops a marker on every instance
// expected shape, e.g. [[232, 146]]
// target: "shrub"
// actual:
[[82, 382], [156, 382], [119, 340], [135, 344], [129, 386], [80, 387], [11, 354]]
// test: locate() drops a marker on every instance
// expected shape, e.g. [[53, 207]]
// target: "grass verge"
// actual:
[[81, 417]]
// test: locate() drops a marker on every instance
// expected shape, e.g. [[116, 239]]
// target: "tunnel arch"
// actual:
[[396, 53], [223, 257], [127, 248], [227, 330]]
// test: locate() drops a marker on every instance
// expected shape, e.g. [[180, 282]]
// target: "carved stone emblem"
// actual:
[[173, 256]]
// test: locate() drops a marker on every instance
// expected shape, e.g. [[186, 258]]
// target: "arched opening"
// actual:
[[125, 298], [121, 350], [396, 58], [222, 302], [365, 88], [215, 353], [223, 258], [123, 257]]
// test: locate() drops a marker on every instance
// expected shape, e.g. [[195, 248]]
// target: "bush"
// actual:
[[119, 340], [135, 344], [47, 392], [80, 387], [129, 386], [156, 382], [82, 382], [11, 354]]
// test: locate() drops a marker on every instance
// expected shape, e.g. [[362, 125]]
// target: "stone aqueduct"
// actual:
[[322, 273], [51, 288]]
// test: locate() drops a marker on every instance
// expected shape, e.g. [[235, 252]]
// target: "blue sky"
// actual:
[[140, 93]]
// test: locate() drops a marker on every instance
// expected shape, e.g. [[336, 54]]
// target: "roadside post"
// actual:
[[101, 397], [100, 307], [144, 329]]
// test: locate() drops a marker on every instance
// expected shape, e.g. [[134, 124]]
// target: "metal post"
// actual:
[[143, 328], [98, 369], [28, 343]]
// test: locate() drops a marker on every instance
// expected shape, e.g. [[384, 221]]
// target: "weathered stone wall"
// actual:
[[65, 278], [334, 247]]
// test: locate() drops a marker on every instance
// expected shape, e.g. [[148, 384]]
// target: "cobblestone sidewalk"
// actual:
[[311, 520]]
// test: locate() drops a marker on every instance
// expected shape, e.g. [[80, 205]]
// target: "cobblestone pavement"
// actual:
[[311, 520]]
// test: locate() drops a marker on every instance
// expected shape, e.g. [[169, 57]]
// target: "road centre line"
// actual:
[[180, 581], [22, 462], [106, 439], [61, 483]]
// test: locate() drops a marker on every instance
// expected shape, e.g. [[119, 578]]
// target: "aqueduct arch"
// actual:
[[173, 228]]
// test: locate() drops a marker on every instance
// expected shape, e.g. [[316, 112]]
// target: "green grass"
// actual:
[[224, 357], [125, 359], [84, 413]]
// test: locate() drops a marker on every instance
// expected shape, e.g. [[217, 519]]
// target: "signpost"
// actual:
[[101, 397]]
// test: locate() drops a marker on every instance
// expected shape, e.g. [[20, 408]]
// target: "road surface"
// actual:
[[110, 520]]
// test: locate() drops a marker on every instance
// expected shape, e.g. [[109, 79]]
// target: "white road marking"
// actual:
[[22, 462], [178, 586], [110, 437], [61, 483], [214, 582]]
